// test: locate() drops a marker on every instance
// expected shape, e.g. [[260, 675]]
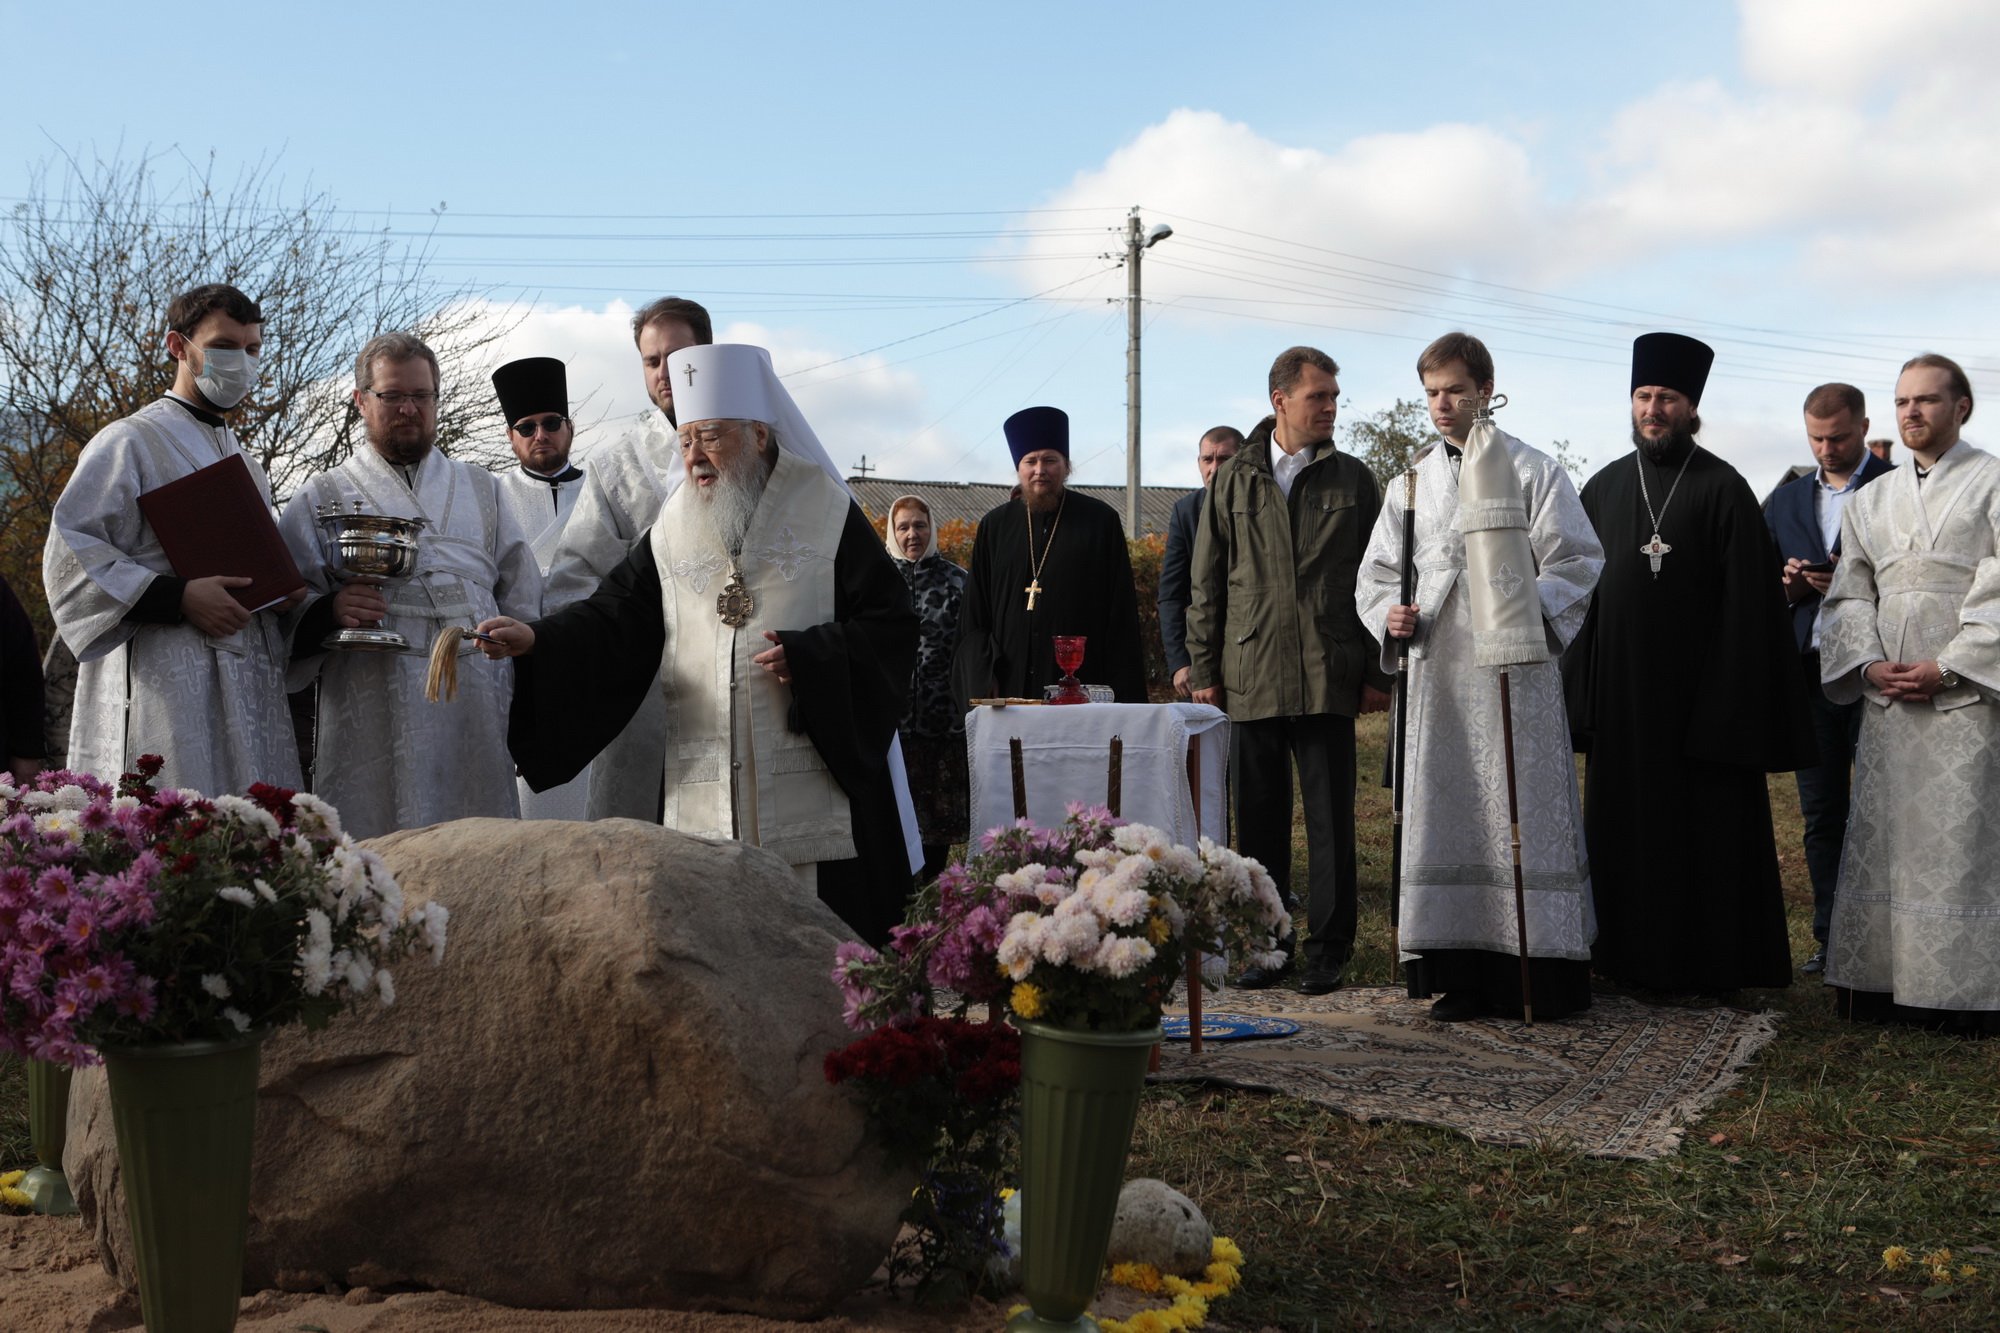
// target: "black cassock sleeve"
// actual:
[[592, 664], [21, 699]]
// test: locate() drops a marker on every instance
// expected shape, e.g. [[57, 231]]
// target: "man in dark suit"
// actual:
[[1216, 447], [1804, 517]]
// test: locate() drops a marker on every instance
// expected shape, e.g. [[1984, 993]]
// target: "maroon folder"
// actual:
[[214, 521]]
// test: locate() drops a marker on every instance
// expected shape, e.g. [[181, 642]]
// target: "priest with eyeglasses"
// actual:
[[783, 641]]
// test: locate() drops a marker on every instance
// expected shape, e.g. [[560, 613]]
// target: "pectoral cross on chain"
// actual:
[[1034, 590], [1654, 549]]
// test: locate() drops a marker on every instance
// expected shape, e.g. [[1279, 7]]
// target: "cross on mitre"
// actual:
[[689, 372]]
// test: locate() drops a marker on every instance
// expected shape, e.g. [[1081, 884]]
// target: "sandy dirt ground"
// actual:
[[50, 1282]]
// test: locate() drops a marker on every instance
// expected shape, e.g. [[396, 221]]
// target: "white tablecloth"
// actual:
[[1065, 755]]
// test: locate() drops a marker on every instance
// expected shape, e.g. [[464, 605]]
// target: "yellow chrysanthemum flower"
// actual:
[[1968, 1270], [1158, 930], [14, 1198], [1937, 1257], [1895, 1258], [11, 1179], [1139, 1277], [1026, 1000]]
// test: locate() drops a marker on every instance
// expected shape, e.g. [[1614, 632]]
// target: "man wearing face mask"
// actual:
[[170, 666]]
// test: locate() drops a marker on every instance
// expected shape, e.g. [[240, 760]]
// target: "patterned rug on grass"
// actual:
[[1621, 1079]]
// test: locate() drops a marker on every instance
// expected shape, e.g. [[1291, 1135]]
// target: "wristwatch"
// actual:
[[1947, 676]]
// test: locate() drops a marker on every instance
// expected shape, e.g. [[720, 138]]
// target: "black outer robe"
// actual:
[[1004, 649], [594, 660], [1684, 691]]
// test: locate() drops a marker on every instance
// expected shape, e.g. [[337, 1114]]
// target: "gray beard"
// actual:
[[730, 505]]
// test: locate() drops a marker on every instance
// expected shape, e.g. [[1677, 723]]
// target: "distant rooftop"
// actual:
[[970, 500]]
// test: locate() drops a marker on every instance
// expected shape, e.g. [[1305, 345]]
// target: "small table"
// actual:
[[1065, 750]]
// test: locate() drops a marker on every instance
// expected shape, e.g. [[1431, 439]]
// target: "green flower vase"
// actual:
[[184, 1116], [48, 1116], [1079, 1100]]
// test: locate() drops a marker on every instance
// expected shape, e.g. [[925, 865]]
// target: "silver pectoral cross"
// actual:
[[1654, 549], [1034, 590]]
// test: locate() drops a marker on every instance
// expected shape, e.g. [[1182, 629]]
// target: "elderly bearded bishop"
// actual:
[[782, 636]]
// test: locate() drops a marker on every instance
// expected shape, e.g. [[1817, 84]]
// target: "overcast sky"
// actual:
[[913, 206]]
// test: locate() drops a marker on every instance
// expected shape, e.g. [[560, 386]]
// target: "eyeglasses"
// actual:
[[527, 430], [418, 400]]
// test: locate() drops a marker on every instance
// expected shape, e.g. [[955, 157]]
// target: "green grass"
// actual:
[[1839, 1141]]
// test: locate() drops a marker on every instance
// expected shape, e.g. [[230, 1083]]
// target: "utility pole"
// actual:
[[1136, 243], [863, 468]]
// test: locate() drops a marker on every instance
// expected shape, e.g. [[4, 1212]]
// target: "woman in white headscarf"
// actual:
[[933, 730]]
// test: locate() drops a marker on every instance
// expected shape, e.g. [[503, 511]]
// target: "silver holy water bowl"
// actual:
[[373, 548]]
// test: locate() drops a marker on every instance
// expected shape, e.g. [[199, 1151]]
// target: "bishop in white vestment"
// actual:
[[765, 612], [387, 757], [1916, 916]]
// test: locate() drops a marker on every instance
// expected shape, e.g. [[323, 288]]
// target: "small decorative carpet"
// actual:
[[1621, 1079]]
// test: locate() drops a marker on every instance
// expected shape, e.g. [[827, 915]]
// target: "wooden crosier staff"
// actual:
[[1409, 592]]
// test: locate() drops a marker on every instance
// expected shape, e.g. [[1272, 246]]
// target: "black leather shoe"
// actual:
[[1815, 964], [1263, 978], [1457, 1006], [1321, 979]]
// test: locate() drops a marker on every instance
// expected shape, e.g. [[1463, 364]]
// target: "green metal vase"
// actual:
[[48, 1116], [1079, 1100], [185, 1116]]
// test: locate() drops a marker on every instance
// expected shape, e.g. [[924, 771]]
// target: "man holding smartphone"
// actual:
[[1804, 518]]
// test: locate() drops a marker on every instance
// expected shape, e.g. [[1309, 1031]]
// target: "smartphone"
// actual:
[[1823, 567]]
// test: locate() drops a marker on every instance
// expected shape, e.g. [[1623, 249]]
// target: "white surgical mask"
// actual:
[[227, 375]]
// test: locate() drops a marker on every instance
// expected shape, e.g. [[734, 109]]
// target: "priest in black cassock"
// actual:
[[1047, 562], [1684, 691], [783, 640]]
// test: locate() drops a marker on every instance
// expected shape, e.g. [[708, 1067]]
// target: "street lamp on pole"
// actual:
[[1137, 242]]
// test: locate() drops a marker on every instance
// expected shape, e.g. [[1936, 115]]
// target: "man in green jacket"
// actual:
[[1274, 639]]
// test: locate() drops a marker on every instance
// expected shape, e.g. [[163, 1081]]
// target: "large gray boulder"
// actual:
[[610, 1094]]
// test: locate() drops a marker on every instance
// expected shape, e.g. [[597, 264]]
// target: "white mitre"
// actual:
[[736, 382]]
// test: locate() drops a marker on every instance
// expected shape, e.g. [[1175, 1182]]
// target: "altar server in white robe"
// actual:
[[1912, 625], [542, 492], [170, 666], [628, 479], [386, 757], [1458, 927]]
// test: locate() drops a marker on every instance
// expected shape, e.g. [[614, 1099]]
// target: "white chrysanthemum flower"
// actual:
[[1130, 907], [250, 815], [124, 803], [315, 816], [69, 796], [1076, 936], [359, 973], [264, 891], [385, 986], [215, 985], [59, 824], [1016, 953], [237, 1018], [1120, 956], [433, 918], [237, 894]]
